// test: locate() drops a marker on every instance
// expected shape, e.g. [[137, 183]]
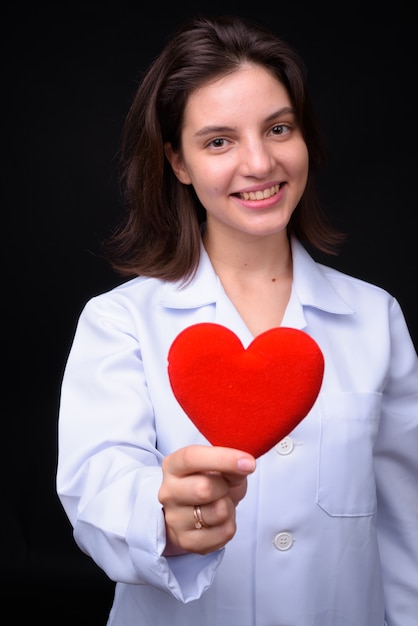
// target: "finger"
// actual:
[[218, 527], [196, 488], [215, 513], [200, 541], [231, 463]]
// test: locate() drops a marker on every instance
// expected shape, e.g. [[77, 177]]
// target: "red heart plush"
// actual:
[[245, 398]]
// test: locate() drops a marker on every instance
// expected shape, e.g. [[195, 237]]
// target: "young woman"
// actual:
[[219, 153]]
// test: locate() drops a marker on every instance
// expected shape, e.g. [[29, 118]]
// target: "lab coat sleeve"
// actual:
[[109, 469], [396, 462]]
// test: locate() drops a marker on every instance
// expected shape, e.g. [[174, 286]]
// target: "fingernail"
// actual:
[[246, 465]]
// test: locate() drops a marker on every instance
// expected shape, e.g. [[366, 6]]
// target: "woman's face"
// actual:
[[243, 152]]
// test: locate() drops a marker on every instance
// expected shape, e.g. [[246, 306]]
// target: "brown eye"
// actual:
[[218, 142], [279, 129]]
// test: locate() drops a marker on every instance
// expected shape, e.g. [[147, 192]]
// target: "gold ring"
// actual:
[[199, 521]]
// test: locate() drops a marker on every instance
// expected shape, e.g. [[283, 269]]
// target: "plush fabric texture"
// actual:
[[245, 398]]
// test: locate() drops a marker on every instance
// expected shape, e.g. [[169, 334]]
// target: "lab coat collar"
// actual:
[[201, 290], [311, 286]]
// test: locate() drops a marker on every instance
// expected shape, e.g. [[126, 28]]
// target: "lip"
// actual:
[[261, 187]]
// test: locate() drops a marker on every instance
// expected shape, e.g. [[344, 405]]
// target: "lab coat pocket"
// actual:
[[346, 481]]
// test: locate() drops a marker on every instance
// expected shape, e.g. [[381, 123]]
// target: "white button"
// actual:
[[285, 446], [283, 541]]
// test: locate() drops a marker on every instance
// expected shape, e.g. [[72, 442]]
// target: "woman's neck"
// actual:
[[257, 277]]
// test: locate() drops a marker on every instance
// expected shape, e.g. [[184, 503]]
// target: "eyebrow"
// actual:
[[210, 130]]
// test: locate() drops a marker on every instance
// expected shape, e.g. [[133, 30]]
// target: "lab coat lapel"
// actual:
[[311, 288]]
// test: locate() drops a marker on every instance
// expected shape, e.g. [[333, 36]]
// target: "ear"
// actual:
[[176, 161]]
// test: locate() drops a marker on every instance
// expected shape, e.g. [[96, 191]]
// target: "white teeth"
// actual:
[[259, 195]]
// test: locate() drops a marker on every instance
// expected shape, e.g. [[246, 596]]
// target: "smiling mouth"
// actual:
[[259, 195]]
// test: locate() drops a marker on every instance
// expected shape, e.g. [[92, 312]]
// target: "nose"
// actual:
[[256, 159]]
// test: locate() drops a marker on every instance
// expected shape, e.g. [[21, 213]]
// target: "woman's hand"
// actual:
[[212, 478]]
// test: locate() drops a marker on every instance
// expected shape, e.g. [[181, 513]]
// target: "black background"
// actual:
[[69, 74]]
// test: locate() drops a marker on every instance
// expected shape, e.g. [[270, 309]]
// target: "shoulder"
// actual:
[[348, 282], [368, 300], [321, 285], [130, 296]]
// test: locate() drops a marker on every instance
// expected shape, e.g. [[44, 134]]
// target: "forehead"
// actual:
[[251, 72], [249, 88]]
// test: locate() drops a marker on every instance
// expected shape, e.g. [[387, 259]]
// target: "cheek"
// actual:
[[210, 178], [297, 169], [300, 163]]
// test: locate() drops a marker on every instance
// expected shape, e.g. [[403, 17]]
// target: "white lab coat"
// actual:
[[328, 531]]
